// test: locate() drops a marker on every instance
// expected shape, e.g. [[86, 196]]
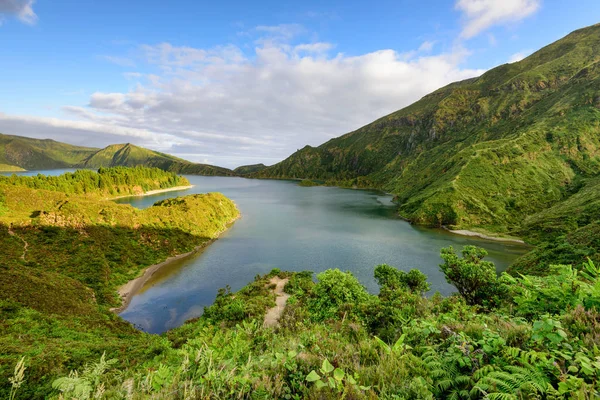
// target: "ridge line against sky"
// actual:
[[233, 83]]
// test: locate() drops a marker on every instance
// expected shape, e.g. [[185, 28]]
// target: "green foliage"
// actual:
[[251, 302], [394, 279], [336, 380], [87, 385], [64, 255], [474, 278], [440, 348], [335, 291], [249, 169], [106, 182], [564, 289]]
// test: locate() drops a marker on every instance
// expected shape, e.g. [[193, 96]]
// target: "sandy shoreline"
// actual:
[[151, 192], [128, 290], [465, 232]]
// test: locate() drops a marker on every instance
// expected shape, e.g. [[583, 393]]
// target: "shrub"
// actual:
[[391, 278], [474, 278], [334, 290]]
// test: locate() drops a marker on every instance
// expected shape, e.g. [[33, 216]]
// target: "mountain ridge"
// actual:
[[19, 152]]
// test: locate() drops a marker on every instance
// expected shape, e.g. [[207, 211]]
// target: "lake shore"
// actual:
[[128, 290], [465, 232], [151, 192]]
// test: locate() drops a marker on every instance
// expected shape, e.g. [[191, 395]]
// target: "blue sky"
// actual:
[[238, 82]]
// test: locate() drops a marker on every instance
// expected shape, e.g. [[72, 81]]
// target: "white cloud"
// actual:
[[120, 61], [426, 46], [107, 101], [480, 15], [519, 56], [313, 47], [235, 108], [284, 31], [22, 9]]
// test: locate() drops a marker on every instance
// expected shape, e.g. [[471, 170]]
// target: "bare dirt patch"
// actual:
[[273, 314]]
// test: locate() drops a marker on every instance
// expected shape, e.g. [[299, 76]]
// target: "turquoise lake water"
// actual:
[[293, 228]]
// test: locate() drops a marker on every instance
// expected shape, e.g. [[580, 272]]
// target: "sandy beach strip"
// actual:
[[465, 232], [151, 192], [128, 290]]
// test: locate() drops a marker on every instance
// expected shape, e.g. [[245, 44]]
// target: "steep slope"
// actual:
[[485, 152]]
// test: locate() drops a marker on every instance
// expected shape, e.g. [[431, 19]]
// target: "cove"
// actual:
[[293, 228]]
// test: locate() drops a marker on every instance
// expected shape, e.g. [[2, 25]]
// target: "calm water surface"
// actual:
[[293, 228]]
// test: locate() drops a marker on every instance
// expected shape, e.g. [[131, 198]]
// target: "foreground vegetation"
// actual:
[[501, 338], [64, 254]]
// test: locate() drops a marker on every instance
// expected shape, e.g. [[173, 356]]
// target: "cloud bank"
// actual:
[[22, 9], [236, 105], [266, 105]]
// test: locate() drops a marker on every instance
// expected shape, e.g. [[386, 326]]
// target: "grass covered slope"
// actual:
[[130, 155], [18, 153], [64, 256], [249, 169], [486, 152], [126, 155]]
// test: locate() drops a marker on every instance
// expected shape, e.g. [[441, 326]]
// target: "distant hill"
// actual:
[[31, 154], [249, 169], [129, 155], [18, 153]]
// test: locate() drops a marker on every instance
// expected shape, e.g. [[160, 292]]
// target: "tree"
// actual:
[[474, 278], [393, 279]]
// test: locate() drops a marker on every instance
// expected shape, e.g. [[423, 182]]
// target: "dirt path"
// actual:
[[273, 314], [25, 244]]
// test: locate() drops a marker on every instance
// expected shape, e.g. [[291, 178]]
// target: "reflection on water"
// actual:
[[294, 228]]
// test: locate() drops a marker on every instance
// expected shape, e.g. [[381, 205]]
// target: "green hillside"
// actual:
[[126, 155], [18, 153], [249, 169], [486, 153], [65, 253], [130, 155]]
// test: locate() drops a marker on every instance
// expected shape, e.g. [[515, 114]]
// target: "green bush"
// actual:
[[336, 292], [474, 278]]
